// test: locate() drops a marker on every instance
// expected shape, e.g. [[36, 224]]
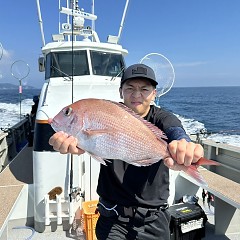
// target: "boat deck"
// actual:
[[16, 232], [16, 229]]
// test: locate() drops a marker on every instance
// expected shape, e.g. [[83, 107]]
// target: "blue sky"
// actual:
[[201, 38]]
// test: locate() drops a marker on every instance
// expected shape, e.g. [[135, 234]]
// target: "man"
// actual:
[[133, 199]]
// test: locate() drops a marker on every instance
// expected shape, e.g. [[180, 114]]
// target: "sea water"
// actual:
[[213, 110]]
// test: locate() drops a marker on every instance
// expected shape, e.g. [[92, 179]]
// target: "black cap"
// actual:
[[139, 71]]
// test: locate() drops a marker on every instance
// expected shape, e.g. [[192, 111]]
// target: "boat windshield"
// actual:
[[59, 64], [107, 64]]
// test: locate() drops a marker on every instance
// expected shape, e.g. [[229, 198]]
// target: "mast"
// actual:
[[40, 22], [115, 39], [123, 19]]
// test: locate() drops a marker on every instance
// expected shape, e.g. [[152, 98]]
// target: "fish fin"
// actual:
[[144, 162], [194, 173], [159, 134], [205, 161], [99, 159], [93, 132]]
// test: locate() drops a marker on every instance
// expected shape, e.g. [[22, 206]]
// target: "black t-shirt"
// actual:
[[124, 184]]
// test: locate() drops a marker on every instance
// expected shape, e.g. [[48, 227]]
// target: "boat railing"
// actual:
[[227, 155], [13, 139], [223, 182], [3, 149]]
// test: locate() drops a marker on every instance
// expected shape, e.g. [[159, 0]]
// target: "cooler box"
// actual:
[[187, 221]]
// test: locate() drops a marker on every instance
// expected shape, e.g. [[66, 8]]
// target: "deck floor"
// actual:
[[26, 233]]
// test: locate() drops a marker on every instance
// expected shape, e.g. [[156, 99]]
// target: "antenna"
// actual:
[[93, 13], [1, 51], [77, 25], [78, 13]]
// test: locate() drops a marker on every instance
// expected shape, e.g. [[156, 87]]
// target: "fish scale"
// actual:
[[110, 130]]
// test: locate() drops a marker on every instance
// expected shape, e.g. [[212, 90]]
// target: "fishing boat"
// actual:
[[43, 192], [77, 65]]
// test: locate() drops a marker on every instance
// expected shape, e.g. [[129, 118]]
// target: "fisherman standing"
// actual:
[[33, 118], [133, 199], [209, 199], [203, 196]]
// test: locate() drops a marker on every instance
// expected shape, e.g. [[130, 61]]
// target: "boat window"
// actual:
[[107, 64], [59, 64]]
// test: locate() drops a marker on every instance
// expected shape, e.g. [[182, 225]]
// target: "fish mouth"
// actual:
[[54, 125], [50, 120]]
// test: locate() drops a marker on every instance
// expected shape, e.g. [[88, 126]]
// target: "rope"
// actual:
[[26, 227]]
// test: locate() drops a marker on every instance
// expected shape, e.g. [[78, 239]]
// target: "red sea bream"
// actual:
[[110, 130]]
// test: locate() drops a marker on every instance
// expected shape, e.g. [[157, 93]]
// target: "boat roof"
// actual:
[[67, 45]]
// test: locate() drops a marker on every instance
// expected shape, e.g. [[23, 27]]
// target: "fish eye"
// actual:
[[67, 111]]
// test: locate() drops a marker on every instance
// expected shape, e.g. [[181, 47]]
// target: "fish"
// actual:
[[110, 130]]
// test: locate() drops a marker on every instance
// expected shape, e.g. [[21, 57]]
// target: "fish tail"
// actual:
[[205, 161], [194, 173]]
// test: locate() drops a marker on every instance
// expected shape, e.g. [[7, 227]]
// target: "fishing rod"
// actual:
[[74, 191], [205, 133], [71, 160]]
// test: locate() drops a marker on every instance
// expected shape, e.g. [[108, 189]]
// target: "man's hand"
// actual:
[[183, 153], [64, 143]]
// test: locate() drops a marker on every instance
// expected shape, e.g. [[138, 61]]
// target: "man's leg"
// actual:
[[154, 227], [110, 228]]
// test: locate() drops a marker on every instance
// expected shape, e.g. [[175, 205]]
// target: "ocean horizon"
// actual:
[[213, 110]]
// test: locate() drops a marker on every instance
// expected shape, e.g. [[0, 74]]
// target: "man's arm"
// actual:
[[176, 133]]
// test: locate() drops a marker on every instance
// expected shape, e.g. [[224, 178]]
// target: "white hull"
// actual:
[[27, 180]]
